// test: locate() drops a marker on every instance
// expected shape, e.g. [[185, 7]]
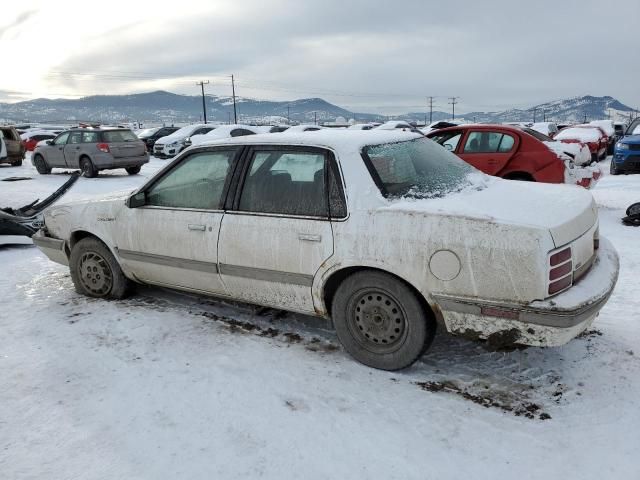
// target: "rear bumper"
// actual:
[[551, 322], [107, 162], [585, 176], [54, 248]]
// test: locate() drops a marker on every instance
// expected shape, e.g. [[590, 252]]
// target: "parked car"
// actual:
[[92, 150], [387, 234], [626, 156], [610, 130], [171, 145], [304, 128], [396, 124], [437, 126], [619, 128], [3, 151], [594, 137], [13, 144], [224, 131], [31, 138], [514, 153], [150, 135], [546, 128], [361, 126]]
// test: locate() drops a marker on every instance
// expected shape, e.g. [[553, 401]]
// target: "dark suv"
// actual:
[[15, 149], [150, 135], [92, 150]]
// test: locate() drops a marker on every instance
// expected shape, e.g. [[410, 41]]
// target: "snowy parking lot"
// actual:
[[167, 385]]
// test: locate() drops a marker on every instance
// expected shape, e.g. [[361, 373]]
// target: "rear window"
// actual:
[[9, 134], [418, 168], [116, 136]]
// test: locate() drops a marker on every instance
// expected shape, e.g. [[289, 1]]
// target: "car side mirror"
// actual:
[[448, 146], [137, 200], [49, 142]]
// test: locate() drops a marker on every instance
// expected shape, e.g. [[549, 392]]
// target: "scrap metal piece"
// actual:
[[28, 219]]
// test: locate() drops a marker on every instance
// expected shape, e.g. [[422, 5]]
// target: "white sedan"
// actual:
[[385, 232]]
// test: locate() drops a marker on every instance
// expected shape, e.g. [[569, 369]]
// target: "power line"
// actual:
[[202, 83], [453, 102]]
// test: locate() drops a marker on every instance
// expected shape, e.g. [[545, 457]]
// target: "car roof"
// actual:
[[339, 140], [479, 126]]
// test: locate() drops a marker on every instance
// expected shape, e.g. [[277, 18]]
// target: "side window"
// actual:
[[483, 142], [202, 131], [286, 182], [239, 132], [197, 182], [506, 144], [89, 137], [61, 139], [75, 137]]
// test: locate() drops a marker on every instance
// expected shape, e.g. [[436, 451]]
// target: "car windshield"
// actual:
[[418, 168], [115, 136], [634, 128], [147, 132], [540, 136]]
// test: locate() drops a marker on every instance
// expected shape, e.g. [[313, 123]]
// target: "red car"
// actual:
[[31, 139], [591, 135], [515, 153]]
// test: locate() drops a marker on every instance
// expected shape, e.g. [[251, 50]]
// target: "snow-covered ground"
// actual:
[[168, 386]]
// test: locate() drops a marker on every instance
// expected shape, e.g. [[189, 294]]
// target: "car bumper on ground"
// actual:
[[54, 248], [547, 323], [628, 162]]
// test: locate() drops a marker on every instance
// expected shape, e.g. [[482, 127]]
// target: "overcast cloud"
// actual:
[[374, 56]]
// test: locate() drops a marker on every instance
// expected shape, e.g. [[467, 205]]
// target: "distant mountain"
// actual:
[[578, 109], [169, 108]]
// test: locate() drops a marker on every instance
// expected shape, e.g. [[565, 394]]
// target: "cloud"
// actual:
[[17, 24]]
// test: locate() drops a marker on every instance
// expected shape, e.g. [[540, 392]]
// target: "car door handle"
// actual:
[[307, 237], [200, 228]]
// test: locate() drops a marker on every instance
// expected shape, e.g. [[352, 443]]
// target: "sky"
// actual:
[[367, 56]]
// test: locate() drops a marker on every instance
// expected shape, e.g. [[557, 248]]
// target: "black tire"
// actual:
[[41, 165], [16, 163], [133, 170], [88, 170], [380, 321], [95, 271], [613, 170], [521, 177]]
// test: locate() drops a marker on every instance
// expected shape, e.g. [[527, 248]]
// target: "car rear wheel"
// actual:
[[95, 271], [88, 170], [380, 321], [133, 170], [16, 163], [41, 165]]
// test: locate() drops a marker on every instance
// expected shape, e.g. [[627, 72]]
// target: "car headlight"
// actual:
[[622, 146]]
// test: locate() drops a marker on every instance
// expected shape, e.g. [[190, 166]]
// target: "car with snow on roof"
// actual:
[[385, 232], [516, 153], [591, 135], [174, 143]]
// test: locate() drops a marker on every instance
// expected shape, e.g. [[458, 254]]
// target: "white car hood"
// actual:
[[566, 211]]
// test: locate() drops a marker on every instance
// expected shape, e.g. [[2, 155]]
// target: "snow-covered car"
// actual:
[[303, 128], [517, 153], [592, 136], [546, 128], [388, 234], [610, 130], [224, 131], [31, 138], [171, 145], [397, 124], [361, 126]]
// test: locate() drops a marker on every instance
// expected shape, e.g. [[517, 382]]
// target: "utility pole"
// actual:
[[544, 115], [233, 91], [204, 105], [585, 117], [430, 110], [228, 118], [288, 115], [534, 114], [453, 102], [315, 118]]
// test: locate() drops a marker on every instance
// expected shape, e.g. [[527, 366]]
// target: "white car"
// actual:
[[395, 124], [171, 145], [388, 234], [225, 131]]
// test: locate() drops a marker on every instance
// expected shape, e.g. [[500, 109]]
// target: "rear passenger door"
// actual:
[[276, 231], [489, 151]]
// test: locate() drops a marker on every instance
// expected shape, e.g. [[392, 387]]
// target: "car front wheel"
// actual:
[[613, 169], [41, 165], [95, 271], [380, 321]]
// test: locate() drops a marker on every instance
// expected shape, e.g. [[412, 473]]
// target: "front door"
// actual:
[[172, 240], [72, 150], [277, 233], [55, 152], [487, 151]]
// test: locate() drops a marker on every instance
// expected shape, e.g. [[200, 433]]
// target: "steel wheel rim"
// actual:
[[377, 321], [85, 168], [95, 274]]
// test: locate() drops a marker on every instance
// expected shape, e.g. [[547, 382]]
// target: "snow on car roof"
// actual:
[[339, 140], [579, 133]]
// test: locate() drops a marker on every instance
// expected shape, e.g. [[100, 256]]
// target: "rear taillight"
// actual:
[[560, 270], [103, 147]]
